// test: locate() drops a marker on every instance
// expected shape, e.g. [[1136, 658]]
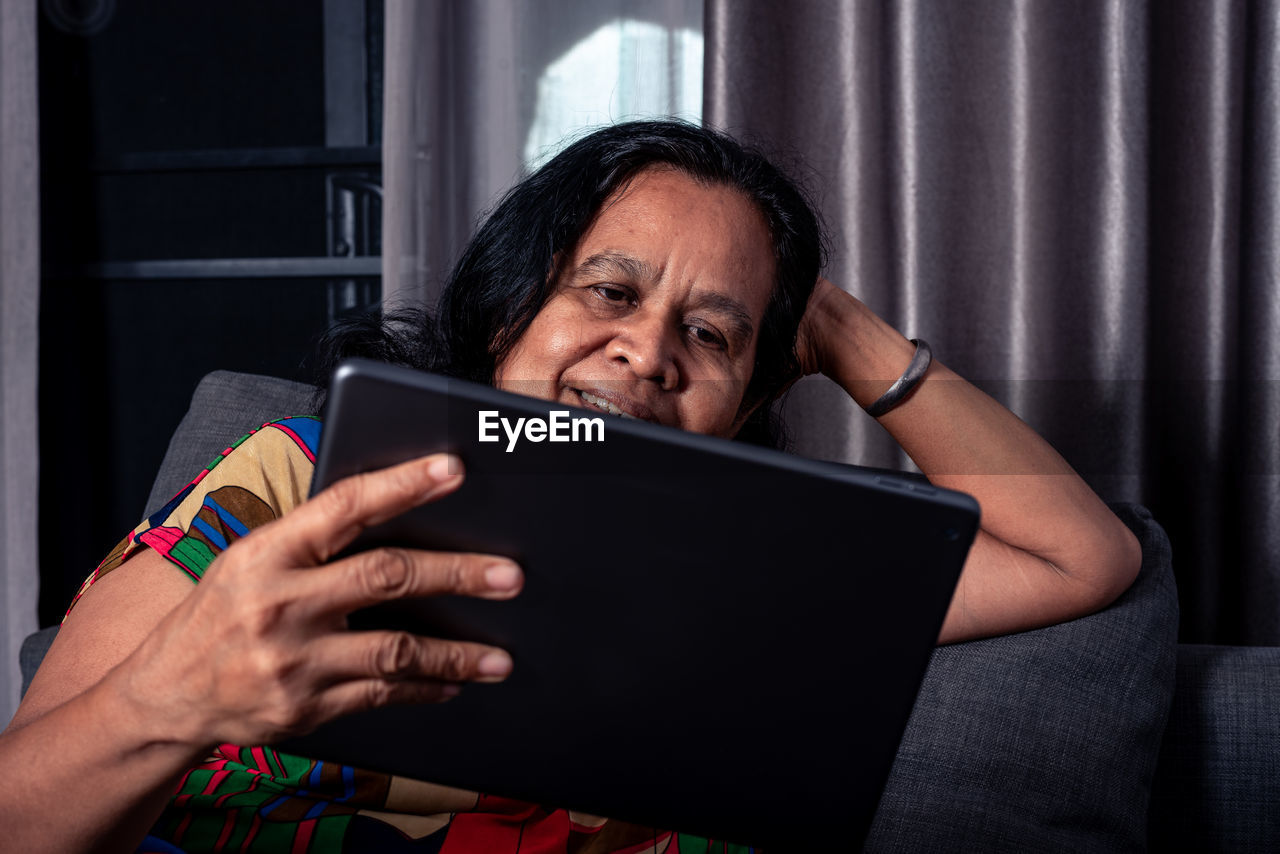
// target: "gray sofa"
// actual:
[[1102, 734]]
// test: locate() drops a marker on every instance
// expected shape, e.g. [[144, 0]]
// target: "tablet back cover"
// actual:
[[712, 638]]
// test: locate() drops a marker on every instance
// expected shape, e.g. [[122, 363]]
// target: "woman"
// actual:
[[653, 269]]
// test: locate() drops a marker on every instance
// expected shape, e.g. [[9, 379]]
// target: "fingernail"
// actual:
[[444, 467], [496, 663], [502, 576]]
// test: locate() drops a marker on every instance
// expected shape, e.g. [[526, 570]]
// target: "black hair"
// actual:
[[505, 274]]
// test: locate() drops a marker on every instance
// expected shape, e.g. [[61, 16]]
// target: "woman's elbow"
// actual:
[[1116, 561]]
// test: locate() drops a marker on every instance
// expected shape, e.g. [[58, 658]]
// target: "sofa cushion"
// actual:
[[1044, 740], [1217, 785]]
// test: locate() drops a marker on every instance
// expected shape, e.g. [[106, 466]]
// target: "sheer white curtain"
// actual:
[[478, 92], [19, 301]]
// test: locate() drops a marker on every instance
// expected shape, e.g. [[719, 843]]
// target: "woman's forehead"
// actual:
[[664, 222]]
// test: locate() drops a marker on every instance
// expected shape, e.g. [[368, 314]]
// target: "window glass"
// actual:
[[628, 68]]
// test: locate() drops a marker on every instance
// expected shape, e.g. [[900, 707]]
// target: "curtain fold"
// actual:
[[1075, 203], [1256, 429], [451, 134], [19, 292]]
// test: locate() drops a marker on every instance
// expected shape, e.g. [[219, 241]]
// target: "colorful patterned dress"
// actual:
[[258, 799]]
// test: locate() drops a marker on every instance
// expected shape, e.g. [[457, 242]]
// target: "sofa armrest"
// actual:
[[1045, 740], [34, 647]]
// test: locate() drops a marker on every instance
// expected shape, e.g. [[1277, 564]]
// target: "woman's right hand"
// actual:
[[149, 672], [259, 649]]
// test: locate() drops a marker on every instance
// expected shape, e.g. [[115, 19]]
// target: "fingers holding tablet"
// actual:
[[320, 528], [260, 649]]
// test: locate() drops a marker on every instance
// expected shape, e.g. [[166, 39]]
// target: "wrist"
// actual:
[[905, 385], [157, 718]]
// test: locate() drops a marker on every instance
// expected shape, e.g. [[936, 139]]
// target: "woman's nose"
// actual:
[[647, 345]]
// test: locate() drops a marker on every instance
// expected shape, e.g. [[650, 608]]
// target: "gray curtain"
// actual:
[[462, 88], [1075, 202], [19, 292]]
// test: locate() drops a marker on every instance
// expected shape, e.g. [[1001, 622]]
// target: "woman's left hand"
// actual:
[[819, 314], [843, 339]]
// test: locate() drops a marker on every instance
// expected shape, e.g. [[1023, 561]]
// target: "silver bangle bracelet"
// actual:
[[906, 383]]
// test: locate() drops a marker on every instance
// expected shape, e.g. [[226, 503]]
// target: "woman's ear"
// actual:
[[751, 403]]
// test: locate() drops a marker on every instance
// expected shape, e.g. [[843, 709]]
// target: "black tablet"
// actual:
[[713, 638]]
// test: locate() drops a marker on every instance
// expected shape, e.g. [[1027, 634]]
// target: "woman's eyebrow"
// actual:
[[610, 263], [733, 312]]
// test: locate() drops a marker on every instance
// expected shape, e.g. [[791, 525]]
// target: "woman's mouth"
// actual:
[[600, 403]]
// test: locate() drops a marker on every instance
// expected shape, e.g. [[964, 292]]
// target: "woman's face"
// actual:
[[656, 313]]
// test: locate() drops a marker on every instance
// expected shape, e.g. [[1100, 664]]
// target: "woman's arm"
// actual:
[[1048, 550], [149, 672]]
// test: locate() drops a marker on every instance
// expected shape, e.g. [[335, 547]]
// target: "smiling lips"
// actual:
[[595, 401]]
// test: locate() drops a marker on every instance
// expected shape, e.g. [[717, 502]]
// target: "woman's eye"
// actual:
[[612, 294], [707, 337]]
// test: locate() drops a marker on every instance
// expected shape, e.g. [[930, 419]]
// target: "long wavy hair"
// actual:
[[505, 274]]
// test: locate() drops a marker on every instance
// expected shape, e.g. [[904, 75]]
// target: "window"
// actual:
[[628, 68]]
